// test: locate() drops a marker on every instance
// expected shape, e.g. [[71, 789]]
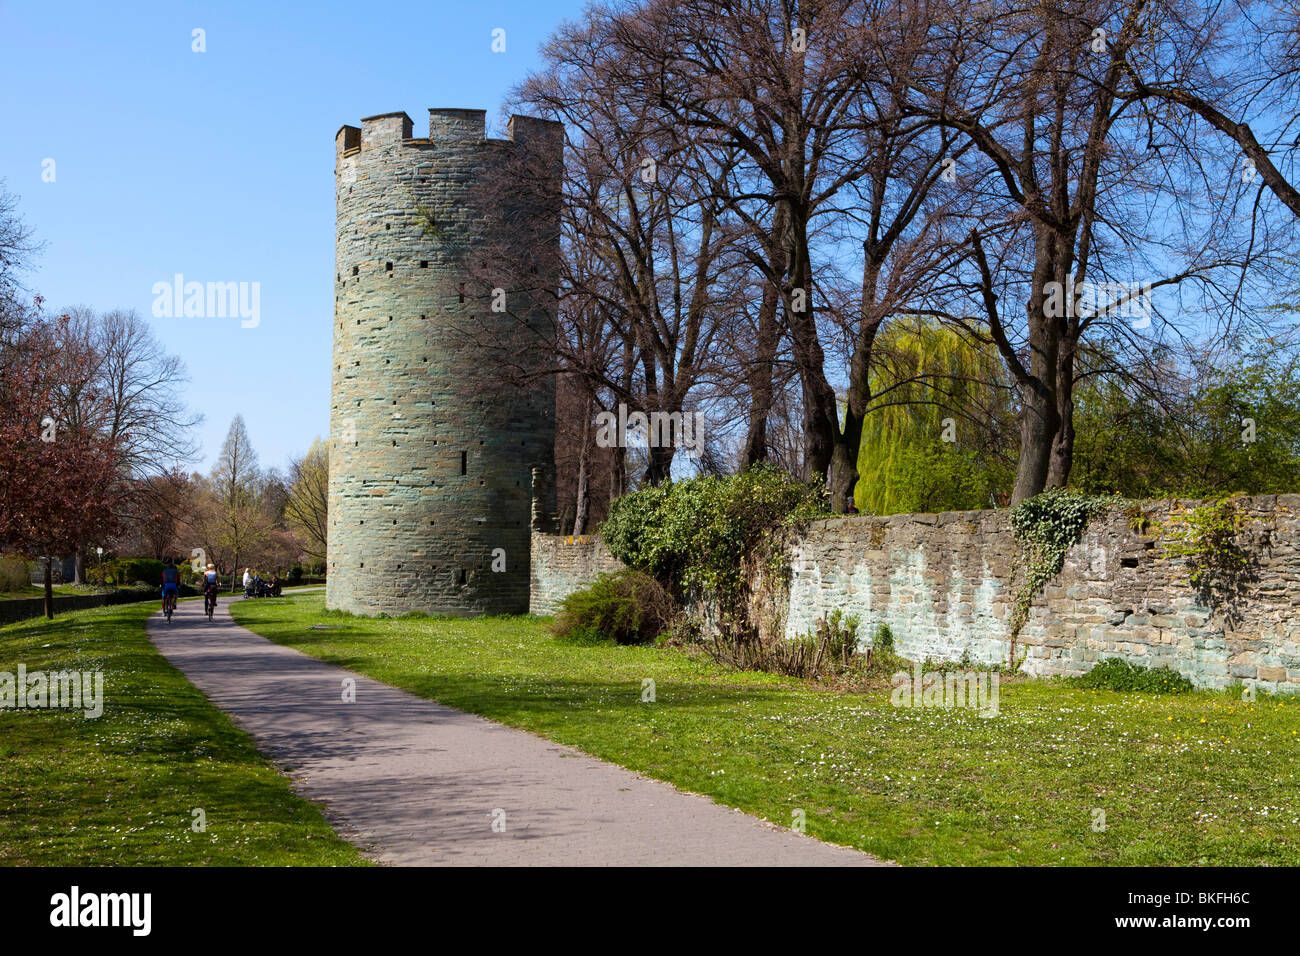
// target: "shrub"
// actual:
[[829, 650], [629, 607], [15, 574], [695, 535], [1118, 674], [146, 570], [884, 642]]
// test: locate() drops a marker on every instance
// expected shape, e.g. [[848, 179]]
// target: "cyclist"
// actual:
[[210, 587], [171, 580]]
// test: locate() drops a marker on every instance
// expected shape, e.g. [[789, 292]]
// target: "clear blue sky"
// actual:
[[220, 165]]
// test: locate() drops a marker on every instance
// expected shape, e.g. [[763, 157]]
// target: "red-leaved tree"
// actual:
[[56, 482]]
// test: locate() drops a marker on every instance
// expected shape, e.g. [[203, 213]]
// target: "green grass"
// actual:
[[119, 790], [1197, 778], [35, 592]]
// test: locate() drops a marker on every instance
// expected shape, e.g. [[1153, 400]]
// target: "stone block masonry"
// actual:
[[943, 584], [562, 565], [441, 405]]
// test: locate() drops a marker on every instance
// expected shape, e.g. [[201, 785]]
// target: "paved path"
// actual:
[[416, 783]]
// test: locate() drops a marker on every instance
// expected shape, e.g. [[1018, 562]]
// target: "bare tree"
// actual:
[[1070, 178], [650, 268], [799, 92], [307, 502], [17, 247]]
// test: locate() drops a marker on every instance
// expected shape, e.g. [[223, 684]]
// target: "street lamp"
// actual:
[[100, 552]]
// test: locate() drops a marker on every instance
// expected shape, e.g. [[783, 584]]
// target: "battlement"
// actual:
[[447, 125]]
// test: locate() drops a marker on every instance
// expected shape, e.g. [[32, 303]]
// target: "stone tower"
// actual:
[[444, 320]]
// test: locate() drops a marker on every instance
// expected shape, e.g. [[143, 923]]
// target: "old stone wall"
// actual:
[[444, 316], [562, 565], [944, 585]]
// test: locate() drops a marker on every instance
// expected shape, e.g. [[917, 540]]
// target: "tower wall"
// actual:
[[441, 407]]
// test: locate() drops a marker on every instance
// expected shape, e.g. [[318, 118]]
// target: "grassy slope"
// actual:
[[119, 790], [35, 592], [1198, 778]]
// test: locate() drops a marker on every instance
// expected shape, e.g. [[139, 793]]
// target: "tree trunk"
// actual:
[[761, 392], [760, 379], [618, 473], [79, 566], [49, 587], [582, 503], [820, 409], [1040, 417], [659, 464], [843, 476], [1038, 427], [1063, 443]]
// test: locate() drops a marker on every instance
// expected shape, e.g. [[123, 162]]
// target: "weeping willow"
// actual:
[[939, 435]]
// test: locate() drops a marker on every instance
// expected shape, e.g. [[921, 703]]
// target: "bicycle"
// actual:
[[209, 602], [169, 605]]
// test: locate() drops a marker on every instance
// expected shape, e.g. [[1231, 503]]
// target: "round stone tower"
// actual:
[[444, 321]]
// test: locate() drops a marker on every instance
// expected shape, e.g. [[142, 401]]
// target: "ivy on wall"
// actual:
[[1209, 537], [1045, 527]]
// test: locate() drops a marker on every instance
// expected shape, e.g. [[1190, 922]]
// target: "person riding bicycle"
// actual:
[[171, 580], [210, 586]]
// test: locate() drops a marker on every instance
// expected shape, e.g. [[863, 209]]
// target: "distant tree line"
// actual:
[[95, 437]]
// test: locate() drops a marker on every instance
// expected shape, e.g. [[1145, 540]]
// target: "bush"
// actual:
[[1118, 674], [695, 535], [884, 642], [106, 572], [830, 650], [628, 607], [15, 573], [146, 570]]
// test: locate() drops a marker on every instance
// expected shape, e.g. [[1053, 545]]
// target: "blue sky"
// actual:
[[220, 165]]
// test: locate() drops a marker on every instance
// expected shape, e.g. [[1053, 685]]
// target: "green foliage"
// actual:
[[148, 570], [924, 374], [628, 607], [1046, 526], [884, 641], [15, 574], [694, 535], [1208, 536], [1139, 522], [108, 571], [1216, 428], [1118, 674]]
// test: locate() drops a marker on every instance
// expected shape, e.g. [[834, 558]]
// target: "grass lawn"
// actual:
[[1197, 778], [119, 790], [35, 592]]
